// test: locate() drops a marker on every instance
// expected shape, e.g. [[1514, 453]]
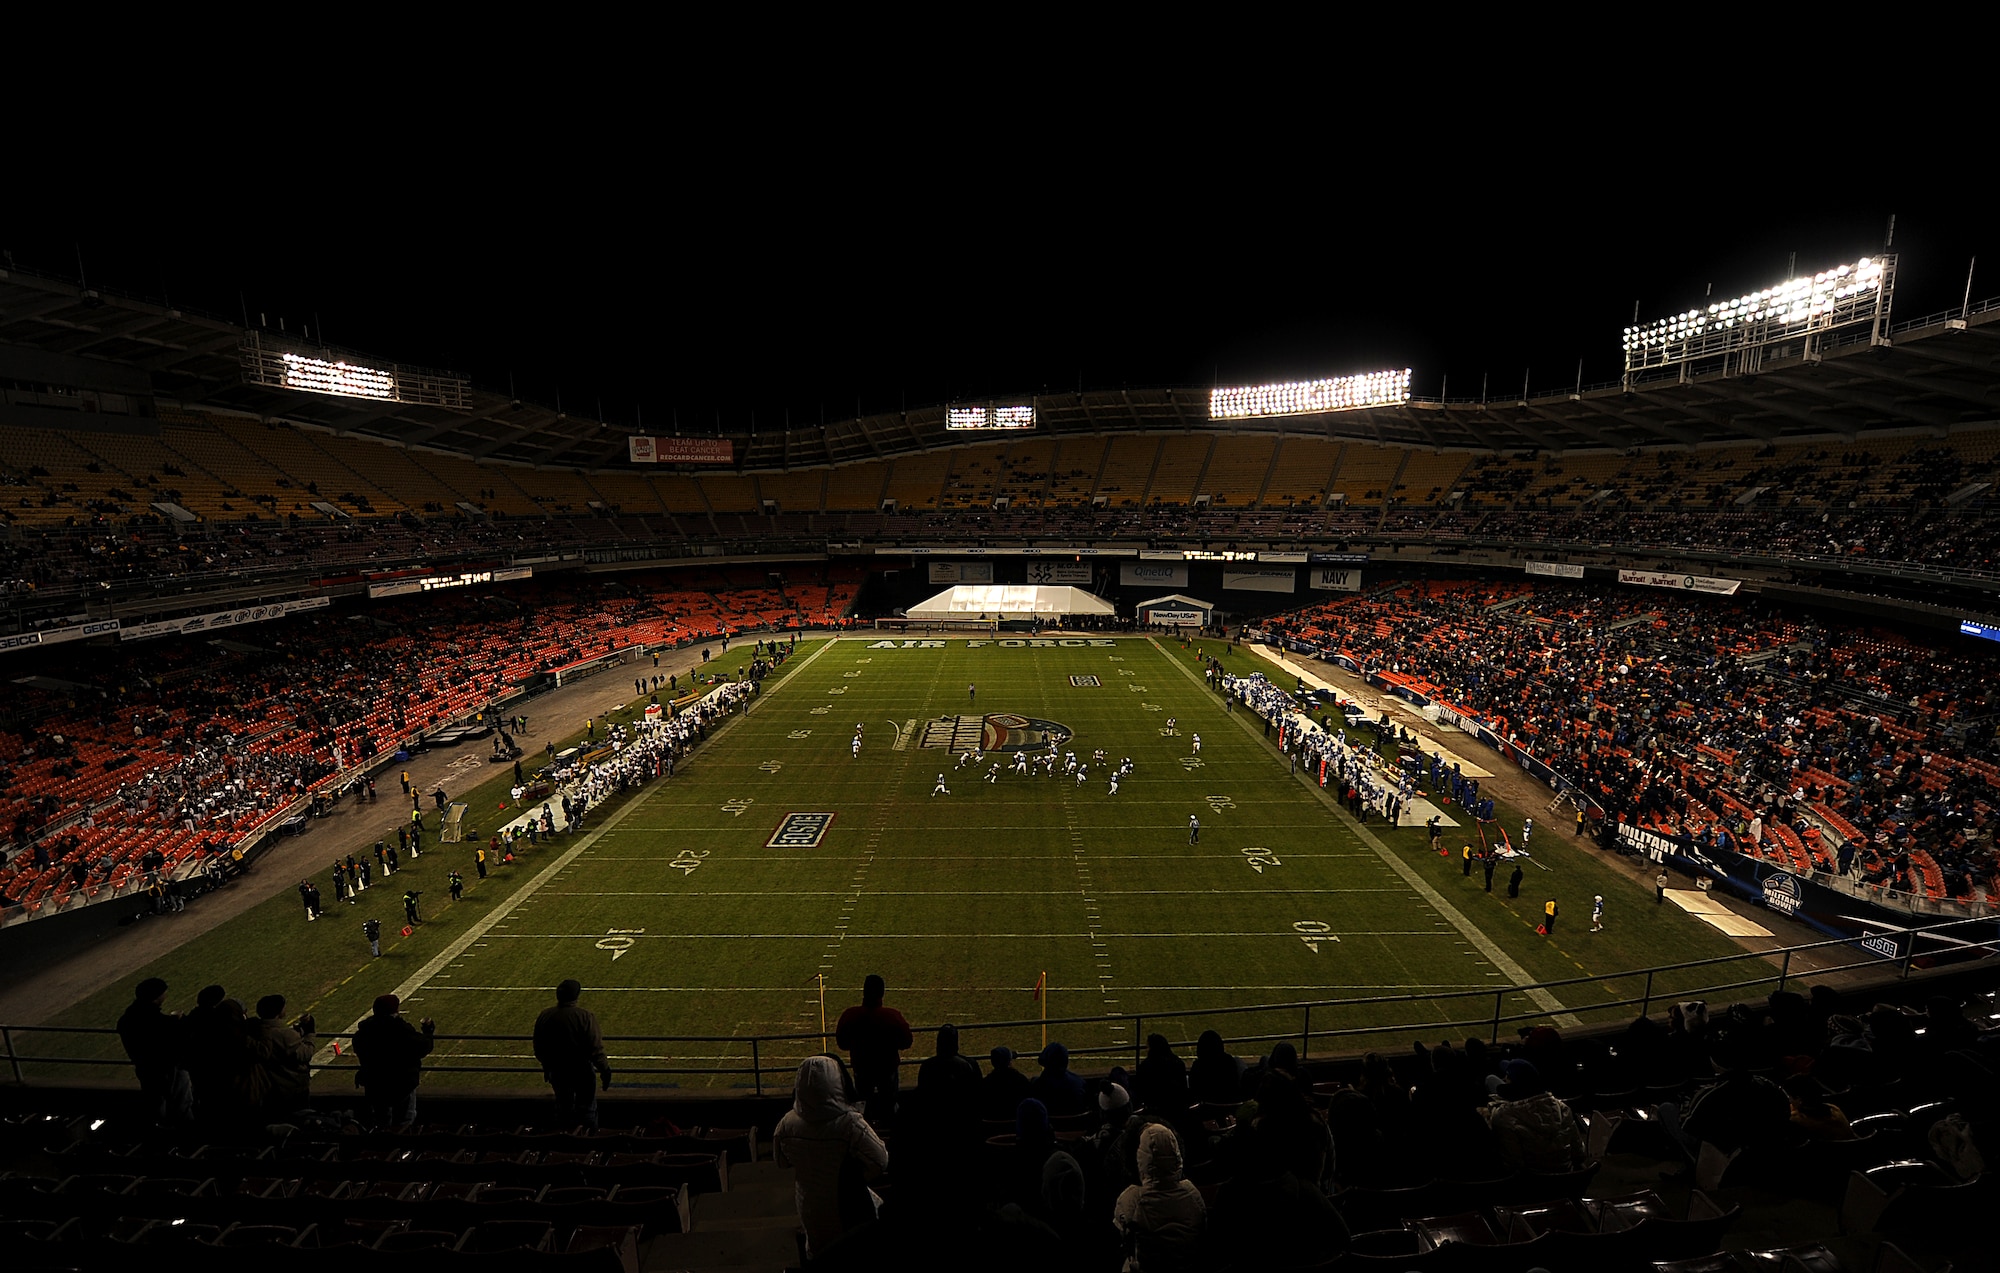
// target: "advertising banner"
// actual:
[[1149, 574], [1690, 583], [1070, 572], [1176, 618], [961, 571], [1280, 580], [56, 636], [680, 450], [1327, 579], [1558, 569]]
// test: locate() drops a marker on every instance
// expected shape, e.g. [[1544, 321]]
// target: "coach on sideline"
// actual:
[[569, 1045]]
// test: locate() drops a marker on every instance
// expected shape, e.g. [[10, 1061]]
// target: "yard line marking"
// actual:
[[651, 937], [1486, 945], [697, 895], [995, 990], [487, 926]]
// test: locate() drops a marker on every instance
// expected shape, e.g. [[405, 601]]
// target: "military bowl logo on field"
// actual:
[[1001, 731], [800, 831]]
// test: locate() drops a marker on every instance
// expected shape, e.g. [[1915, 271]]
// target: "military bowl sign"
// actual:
[[800, 831]]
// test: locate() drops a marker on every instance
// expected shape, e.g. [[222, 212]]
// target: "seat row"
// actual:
[[502, 1245]]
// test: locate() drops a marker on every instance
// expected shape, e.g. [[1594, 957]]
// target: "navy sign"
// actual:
[[800, 831]]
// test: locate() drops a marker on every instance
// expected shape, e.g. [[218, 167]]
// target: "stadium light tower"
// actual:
[[281, 364], [1787, 319], [1310, 397]]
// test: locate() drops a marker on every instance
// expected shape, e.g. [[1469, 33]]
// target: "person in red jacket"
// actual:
[[874, 1037]]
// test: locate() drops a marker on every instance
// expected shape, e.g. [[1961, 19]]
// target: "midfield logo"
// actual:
[[1002, 731], [800, 831]]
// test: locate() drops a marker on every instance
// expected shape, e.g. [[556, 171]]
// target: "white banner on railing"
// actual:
[[222, 619], [1690, 583], [1559, 569], [1284, 579], [56, 636]]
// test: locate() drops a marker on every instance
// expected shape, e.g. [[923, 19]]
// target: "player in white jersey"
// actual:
[[1197, 744], [1114, 782], [857, 747], [940, 789], [1020, 762]]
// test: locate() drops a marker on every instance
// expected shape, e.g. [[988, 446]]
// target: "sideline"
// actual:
[[1466, 765], [1472, 933], [416, 981]]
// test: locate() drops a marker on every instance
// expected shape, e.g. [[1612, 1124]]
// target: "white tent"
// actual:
[[1009, 601]]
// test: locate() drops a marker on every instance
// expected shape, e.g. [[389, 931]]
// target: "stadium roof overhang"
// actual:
[[1936, 374]]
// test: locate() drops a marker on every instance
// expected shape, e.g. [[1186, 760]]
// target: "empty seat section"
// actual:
[[1127, 468], [1236, 471]]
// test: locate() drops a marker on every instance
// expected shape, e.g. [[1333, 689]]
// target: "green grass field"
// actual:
[[683, 917]]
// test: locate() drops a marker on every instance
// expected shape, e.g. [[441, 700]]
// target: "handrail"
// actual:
[[760, 1065]]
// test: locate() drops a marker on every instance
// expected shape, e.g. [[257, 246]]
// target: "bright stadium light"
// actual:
[[280, 363], [986, 416], [1311, 397], [343, 379], [1830, 298]]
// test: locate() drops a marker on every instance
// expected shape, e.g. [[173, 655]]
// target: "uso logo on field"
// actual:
[[800, 831]]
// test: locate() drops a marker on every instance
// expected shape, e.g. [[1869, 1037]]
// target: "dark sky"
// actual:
[[890, 252]]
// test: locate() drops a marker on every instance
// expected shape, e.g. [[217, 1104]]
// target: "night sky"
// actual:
[[887, 259]]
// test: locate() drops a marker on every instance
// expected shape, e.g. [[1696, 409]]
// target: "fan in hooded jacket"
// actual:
[[1162, 1218], [820, 1134]]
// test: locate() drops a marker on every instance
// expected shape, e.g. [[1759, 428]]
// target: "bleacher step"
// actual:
[[739, 1204], [765, 1247]]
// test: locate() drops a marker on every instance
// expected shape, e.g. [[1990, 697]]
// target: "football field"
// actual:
[[713, 904], [710, 906]]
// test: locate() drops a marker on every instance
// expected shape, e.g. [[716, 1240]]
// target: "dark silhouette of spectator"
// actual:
[[1739, 1109], [1282, 1122], [391, 1053], [948, 1090], [1216, 1077], [1283, 1057], [1055, 1087], [1004, 1087], [1445, 1118], [1161, 1080], [1265, 1217], [153, 1039], [875, 1036], [570, 1047], [1034, 1141]]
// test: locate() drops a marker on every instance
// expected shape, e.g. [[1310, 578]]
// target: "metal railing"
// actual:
[[764, 1061]]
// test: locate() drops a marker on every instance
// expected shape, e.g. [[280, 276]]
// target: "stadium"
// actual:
[[1550, 829]]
